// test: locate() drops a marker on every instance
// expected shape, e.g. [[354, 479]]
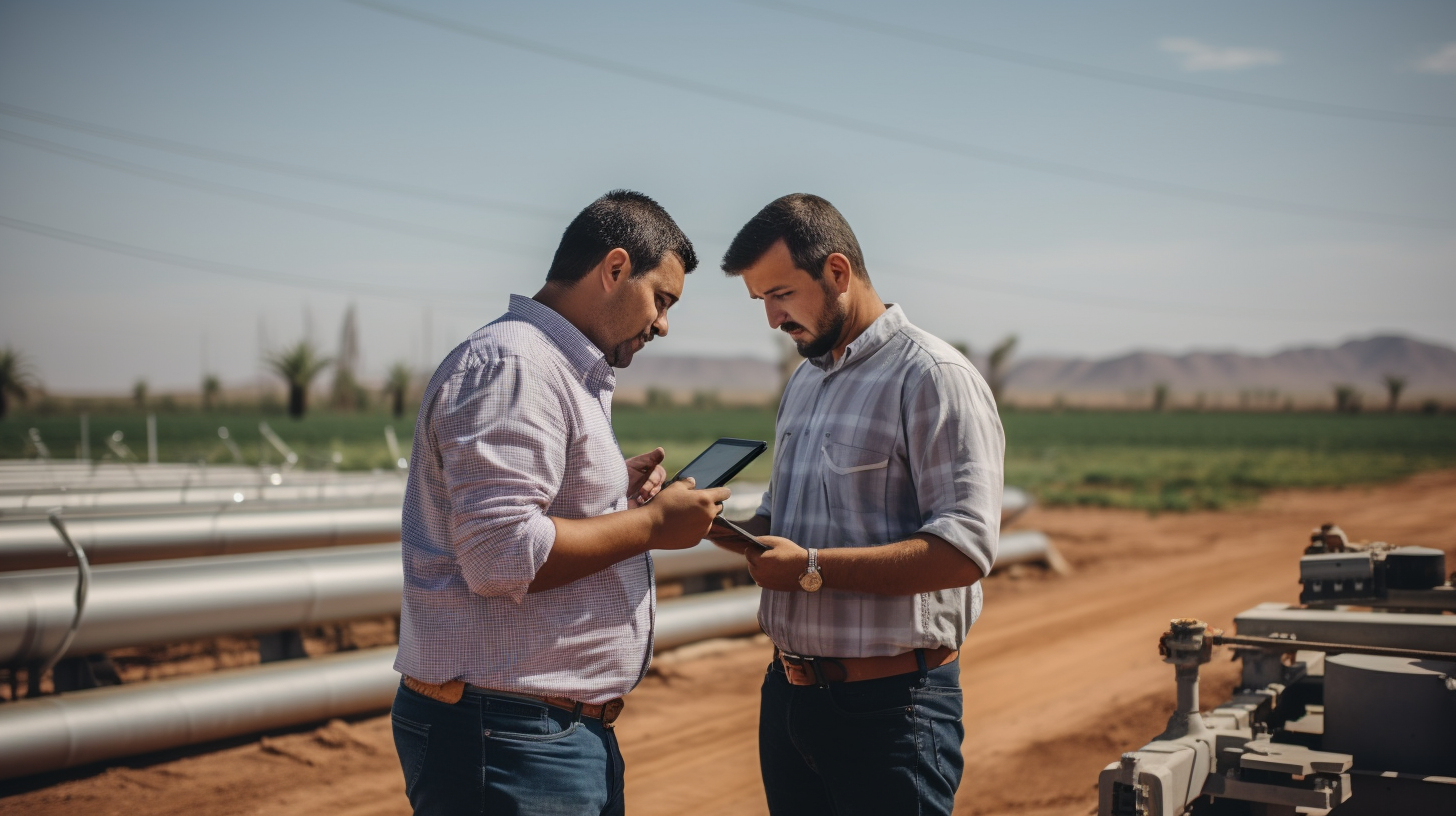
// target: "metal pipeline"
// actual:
[[1023, 546], [377, 489], [712, 614], [28, 476], [79, 728], [27, 544], [162, 602]]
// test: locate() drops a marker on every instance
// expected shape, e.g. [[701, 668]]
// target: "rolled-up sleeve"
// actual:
[[956, 449], [502, 441]]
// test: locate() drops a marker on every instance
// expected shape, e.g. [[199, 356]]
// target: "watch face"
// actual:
[[811, 581]]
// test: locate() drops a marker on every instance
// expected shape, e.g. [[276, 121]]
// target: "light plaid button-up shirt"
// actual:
[[515, 426], [900, 436]]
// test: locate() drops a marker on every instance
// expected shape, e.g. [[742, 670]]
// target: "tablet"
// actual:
[[742, 533], [721, 462]]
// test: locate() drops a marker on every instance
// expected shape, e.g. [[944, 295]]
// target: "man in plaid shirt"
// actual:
[[881, 517], [528, 591]]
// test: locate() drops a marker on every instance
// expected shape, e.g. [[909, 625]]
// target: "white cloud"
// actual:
[[1441, 62], [1198, 56]]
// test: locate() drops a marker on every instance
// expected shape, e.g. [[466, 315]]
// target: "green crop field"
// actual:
[[192, 436], [1152, 461]]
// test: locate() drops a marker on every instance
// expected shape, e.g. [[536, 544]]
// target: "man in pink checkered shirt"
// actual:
[[528, 588]]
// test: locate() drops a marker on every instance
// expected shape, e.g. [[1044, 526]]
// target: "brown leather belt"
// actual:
[[451, 691], [821, 671]]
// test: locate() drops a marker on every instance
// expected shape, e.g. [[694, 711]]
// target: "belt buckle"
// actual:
[[612, 709], [815, 665]]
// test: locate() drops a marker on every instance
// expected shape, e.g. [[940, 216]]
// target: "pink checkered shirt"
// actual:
[[516, 426]]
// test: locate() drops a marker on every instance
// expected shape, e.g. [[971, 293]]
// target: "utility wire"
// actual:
[[282, 168], [236, 271], [996, 52], [270, 200], [904, 136], [1031, 291]]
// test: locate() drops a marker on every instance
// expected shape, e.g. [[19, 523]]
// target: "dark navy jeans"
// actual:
[[497, 754], [873, 747]]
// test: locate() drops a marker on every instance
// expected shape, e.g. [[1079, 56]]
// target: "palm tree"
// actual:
[[396, 385], [17, 378], [1347, 398], [996, 366], [297, 365], [1394, 384], [139, 393], [1160, 396]]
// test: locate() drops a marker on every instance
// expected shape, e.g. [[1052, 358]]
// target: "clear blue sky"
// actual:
[[1006, 166]]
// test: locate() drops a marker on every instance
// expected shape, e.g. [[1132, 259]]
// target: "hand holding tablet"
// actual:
[[718, 464]]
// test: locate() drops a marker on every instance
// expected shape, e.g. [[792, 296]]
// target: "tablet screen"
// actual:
[[721, 461]]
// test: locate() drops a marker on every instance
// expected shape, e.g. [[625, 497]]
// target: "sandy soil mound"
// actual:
[[1060, 675]]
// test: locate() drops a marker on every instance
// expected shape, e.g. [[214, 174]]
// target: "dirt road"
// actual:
[[1060, 675]]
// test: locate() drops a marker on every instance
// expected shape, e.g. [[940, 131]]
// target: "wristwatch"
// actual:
[[810, 580]]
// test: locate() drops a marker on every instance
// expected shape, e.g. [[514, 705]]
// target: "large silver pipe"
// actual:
[[1030, 546], [30, 475], [375, 488], [67, 730], [700, 559], [712, 614], [157, 477], [33, 543], [162, 602], [1014, 502], [79, 728]]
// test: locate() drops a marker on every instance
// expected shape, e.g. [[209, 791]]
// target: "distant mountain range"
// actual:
[[1429, 370]]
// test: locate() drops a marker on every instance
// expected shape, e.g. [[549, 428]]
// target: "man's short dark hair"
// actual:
[[625, 219], [811, 227]]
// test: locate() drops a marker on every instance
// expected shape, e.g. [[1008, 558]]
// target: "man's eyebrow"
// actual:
[[774, 289]]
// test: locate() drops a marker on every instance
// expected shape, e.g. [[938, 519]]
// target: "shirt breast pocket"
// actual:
[[854, 478]]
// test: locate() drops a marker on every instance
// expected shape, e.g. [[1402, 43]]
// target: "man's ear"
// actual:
[[837, 272], [614, 269]]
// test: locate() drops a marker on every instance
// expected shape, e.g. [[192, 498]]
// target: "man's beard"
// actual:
[[826, 334], [621, 354]]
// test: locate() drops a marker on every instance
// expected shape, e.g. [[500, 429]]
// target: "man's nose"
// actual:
[[776, 317], [659, 326]]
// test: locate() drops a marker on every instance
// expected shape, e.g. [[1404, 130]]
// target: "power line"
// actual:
[[269, 199], [348, 216], [237, 271], [1073, 68], [897, 134], [282, 168]]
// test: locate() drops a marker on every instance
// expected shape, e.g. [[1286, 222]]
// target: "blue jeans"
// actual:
[[498, 754], [872, 747]]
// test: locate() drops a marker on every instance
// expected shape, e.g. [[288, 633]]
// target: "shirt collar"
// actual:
[[582, 353], [869, 341]]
